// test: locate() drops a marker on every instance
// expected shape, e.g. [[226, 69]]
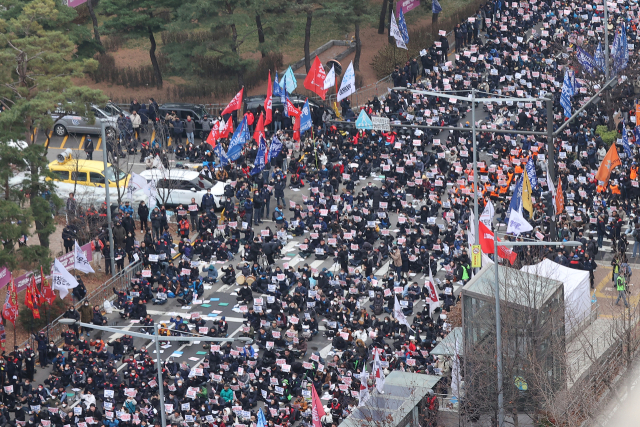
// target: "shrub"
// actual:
[[608, 136], [25, 317]]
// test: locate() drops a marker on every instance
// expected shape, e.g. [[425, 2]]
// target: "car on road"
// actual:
[[86, 179], [179, 186], [196, 111], [71, 122]]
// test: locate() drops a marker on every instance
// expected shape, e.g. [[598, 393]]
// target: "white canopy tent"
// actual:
[[577, 296]]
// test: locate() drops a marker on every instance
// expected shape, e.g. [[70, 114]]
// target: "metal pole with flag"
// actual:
[[399, 315]]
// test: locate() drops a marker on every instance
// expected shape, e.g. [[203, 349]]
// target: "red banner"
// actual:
[[487, 244]]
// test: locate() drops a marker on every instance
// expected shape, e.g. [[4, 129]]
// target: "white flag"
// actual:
[[61, 279], [364, 388], [434, 299], [152, 193], [80, 261], [552, 188], [378, 372], [348, 85], [136, 182], [487, 215], [398, 314], [517, 223], [395, 32], [330, 80]]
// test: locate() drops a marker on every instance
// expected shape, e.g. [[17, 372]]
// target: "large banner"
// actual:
[[23, 281], [76, 3], [405, 5]]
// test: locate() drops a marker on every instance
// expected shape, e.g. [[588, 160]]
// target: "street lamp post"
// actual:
[[156, 338], [105, 152], [499, 314]]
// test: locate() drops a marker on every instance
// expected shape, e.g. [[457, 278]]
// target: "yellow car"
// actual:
[[85, 178]]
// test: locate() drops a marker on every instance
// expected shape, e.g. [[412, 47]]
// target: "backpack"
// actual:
[[625, 269]]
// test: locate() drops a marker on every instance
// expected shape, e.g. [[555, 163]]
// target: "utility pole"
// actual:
[[476, 221], [105, 152], [606, 38]]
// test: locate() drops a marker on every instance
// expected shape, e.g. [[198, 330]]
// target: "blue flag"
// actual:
[[402, 25], [289, 81], [587, 61], [262, 422], [531, 173], [305, 118], [275, 148], [516, 199], [277, 90], [239, 138], [636, 132], [222, 156], [259, 163], [625, 141], [621, 54], [435, 7], [567, 93], [599, 58]]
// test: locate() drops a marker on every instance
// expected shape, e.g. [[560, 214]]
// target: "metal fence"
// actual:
[[97, 297]]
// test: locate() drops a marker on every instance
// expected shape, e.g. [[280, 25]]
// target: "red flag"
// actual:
[[259, 129], [213, 136], [268, 106], [296, 129], [315, 79], [317, 410], [292, 110], [560, 198], [228, 128], [36, 295], [486, 242], [47, 293], [10, 307], [28, 297], [235, 103]]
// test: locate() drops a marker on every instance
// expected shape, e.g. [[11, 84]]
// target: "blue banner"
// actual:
[[305, 118], [259, 163], [587, 61], [239, 138], [402, 25], [531, 173], [222, 156], [599, 58], [567, 93], [435, 7], [275, 148], [516, 199]]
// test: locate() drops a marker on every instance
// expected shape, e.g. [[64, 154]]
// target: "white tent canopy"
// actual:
[[576, 289]]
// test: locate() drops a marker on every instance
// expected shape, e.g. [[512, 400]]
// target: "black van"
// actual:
[[196, 111]]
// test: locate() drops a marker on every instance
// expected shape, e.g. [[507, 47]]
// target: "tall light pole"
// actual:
[[606, 38], [475, 167], [105, 152], [156, 338], [499, 314]]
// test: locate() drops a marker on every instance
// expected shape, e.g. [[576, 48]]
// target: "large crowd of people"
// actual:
[[351, 181]]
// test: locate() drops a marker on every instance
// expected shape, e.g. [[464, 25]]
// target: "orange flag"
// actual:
[[259, 129], [560, 198], [611, 160]]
